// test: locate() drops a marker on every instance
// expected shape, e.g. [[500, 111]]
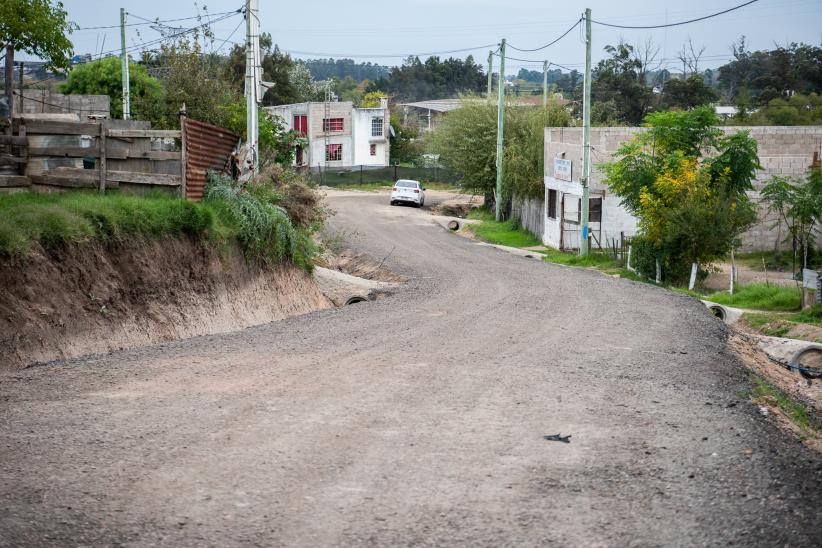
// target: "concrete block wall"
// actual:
[[783, 150]]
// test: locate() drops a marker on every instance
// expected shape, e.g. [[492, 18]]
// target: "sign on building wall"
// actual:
[[562, 169]]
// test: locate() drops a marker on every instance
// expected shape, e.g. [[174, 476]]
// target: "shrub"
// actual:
[[263, 228]]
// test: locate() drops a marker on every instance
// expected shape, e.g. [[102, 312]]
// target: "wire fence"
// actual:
[[370, 175]]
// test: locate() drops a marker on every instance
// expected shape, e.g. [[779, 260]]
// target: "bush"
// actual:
[[263, 228]]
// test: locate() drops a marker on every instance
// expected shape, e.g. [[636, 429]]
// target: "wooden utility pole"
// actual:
[[500, 132], [586, 136], [124, 67]]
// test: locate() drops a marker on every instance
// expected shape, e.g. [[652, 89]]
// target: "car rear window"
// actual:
[[407, 184]]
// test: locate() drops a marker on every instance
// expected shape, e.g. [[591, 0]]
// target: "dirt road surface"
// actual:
[[416, 419]]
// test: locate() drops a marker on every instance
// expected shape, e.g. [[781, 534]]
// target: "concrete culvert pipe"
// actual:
[[718, 311], [808, 358], [355, 299], [453, 225]]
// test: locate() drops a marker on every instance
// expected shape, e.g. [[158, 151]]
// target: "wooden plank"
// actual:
[[144, 133], [11, 181], [6, 159], [41, 127], [64, 152], [144, 178], [102, 140], [156, 155], [17, 140]]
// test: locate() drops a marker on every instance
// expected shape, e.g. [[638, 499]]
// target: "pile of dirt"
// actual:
[[458, 207], [95, 298], [361, 266]]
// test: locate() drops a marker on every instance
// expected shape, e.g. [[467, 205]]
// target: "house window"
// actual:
[[373, 150], [333, 153], [376, 127], [301, 124], [332, 124], [595, 210], [552, 203]]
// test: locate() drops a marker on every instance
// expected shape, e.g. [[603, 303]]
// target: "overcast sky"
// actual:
[[368, 30]]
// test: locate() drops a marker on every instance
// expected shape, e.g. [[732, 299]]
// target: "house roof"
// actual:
[[447, 105], [437, 105]]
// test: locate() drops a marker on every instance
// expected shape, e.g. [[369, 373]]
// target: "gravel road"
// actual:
[[416, 419]]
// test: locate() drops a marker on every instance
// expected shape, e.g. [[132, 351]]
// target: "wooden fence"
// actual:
[[106, 154]]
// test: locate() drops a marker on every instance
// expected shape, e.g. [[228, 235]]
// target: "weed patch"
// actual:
[[760, 297], [501, 233], [764, 393]]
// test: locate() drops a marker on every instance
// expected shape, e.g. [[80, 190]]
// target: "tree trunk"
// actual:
[[10, 78]]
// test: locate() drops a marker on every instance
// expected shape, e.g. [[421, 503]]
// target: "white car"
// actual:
[[408, 191]]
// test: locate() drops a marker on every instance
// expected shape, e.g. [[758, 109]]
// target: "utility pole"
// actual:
[[586, 136], [545, 84], [124, 69], [252, 39], [490, 74], [500, 131]]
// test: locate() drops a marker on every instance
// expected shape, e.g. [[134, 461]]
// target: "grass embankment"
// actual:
[[384, 185], [500, 233], [759, 296], [262, 229], [51, 220], [797, 412], [508, 233], [780, 324]]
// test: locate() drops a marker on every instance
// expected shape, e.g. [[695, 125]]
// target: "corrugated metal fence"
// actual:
[[206, 147]]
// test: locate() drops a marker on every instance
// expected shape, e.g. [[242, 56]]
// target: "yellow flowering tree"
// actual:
[[686, 182]]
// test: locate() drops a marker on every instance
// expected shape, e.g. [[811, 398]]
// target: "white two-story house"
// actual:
[[339, 135]]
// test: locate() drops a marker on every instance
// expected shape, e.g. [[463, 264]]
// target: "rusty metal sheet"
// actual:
[[207, 147]]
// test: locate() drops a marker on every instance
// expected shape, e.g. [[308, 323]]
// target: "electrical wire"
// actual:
[[155, 22], [156, 41], [549, 44], [537, 62], [61, 107], [675, 24], [230, 35], [387, 55]]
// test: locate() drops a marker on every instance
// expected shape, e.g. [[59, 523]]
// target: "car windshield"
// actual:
[[407, 184]]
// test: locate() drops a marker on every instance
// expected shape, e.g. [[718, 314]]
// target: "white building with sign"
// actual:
[[608, 220]]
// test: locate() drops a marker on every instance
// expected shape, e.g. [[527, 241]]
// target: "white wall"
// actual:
[[361, 127]]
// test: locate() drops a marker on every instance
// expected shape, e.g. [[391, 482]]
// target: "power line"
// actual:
[[549, 44], [536, 62], [387, 55], [161, 39], [155, 22], [675, 24], [230, 35]]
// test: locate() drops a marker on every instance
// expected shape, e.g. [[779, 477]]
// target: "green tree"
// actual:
[[405, 144], [191, 78], [37, 27], [466, 143], [687, 94], [686, 182], [798, 204], [104, 77], [619, 92], [277, 68]]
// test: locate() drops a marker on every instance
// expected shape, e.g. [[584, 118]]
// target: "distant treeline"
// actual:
[[325, 69]]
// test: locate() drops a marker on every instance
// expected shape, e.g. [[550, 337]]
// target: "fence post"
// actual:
[[361, 174], [395, 171], [102, 150], [183, 153]]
